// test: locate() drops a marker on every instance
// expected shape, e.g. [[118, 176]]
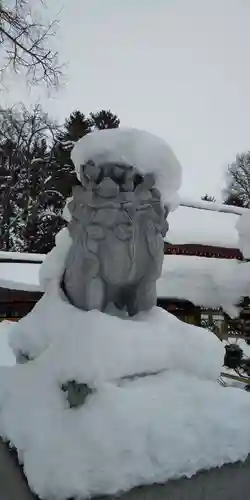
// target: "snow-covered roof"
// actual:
[[202, 227], [20, 271], [21, 256], [214, 206], [20, 276], [205, 281]]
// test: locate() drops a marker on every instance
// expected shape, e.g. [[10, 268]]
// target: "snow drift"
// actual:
[[170, 420], [155, 410]]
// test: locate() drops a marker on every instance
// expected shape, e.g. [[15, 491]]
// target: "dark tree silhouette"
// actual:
[[104, 120], [75, 127], [25, 141], [233, 199], [237, 191], [37, 174]]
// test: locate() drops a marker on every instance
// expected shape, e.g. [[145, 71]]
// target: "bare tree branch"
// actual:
[[25, 43], [238, 176]]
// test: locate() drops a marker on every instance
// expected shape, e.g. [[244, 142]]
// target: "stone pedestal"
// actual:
[[230, 482], [13, 484]]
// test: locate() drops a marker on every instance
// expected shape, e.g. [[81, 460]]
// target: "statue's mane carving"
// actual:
[[117, 226]]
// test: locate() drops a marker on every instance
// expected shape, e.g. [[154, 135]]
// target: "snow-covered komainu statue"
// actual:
[[86, 412], [117, 227], [118, 223]]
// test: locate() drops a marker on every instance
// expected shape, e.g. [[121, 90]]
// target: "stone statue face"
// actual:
[[118, 227]]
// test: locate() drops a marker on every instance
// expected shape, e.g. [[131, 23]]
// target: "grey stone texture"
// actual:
[[13, 484], [76, 393], [118, 227]]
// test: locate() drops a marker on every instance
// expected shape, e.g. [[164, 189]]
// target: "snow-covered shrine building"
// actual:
[[19, 284], [200, 282]]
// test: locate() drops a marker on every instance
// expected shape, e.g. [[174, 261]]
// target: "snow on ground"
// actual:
[[205, 281], [243, 228], [137, 148], [202, 227], [128, 432], [7, 357]]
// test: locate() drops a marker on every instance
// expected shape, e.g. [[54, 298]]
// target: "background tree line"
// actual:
[[237, 190], [36, 173]]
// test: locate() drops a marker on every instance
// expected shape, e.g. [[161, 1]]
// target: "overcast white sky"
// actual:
[[178, 68]]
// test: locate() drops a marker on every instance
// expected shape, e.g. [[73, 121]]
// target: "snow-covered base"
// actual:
[[129, 432]]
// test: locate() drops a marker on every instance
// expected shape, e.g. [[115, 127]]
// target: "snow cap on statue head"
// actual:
[[144, 151]]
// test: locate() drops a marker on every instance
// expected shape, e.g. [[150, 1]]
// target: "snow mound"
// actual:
[[243, 228], [112, 347], [169, 420], [138, 148]]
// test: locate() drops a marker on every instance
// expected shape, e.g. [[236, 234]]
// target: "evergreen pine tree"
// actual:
[[237, 191], [104, 120], [75, 127]]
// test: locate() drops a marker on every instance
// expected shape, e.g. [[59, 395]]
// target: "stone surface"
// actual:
[[118, 224], [76, 393], [230, 482], [13, 484]]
